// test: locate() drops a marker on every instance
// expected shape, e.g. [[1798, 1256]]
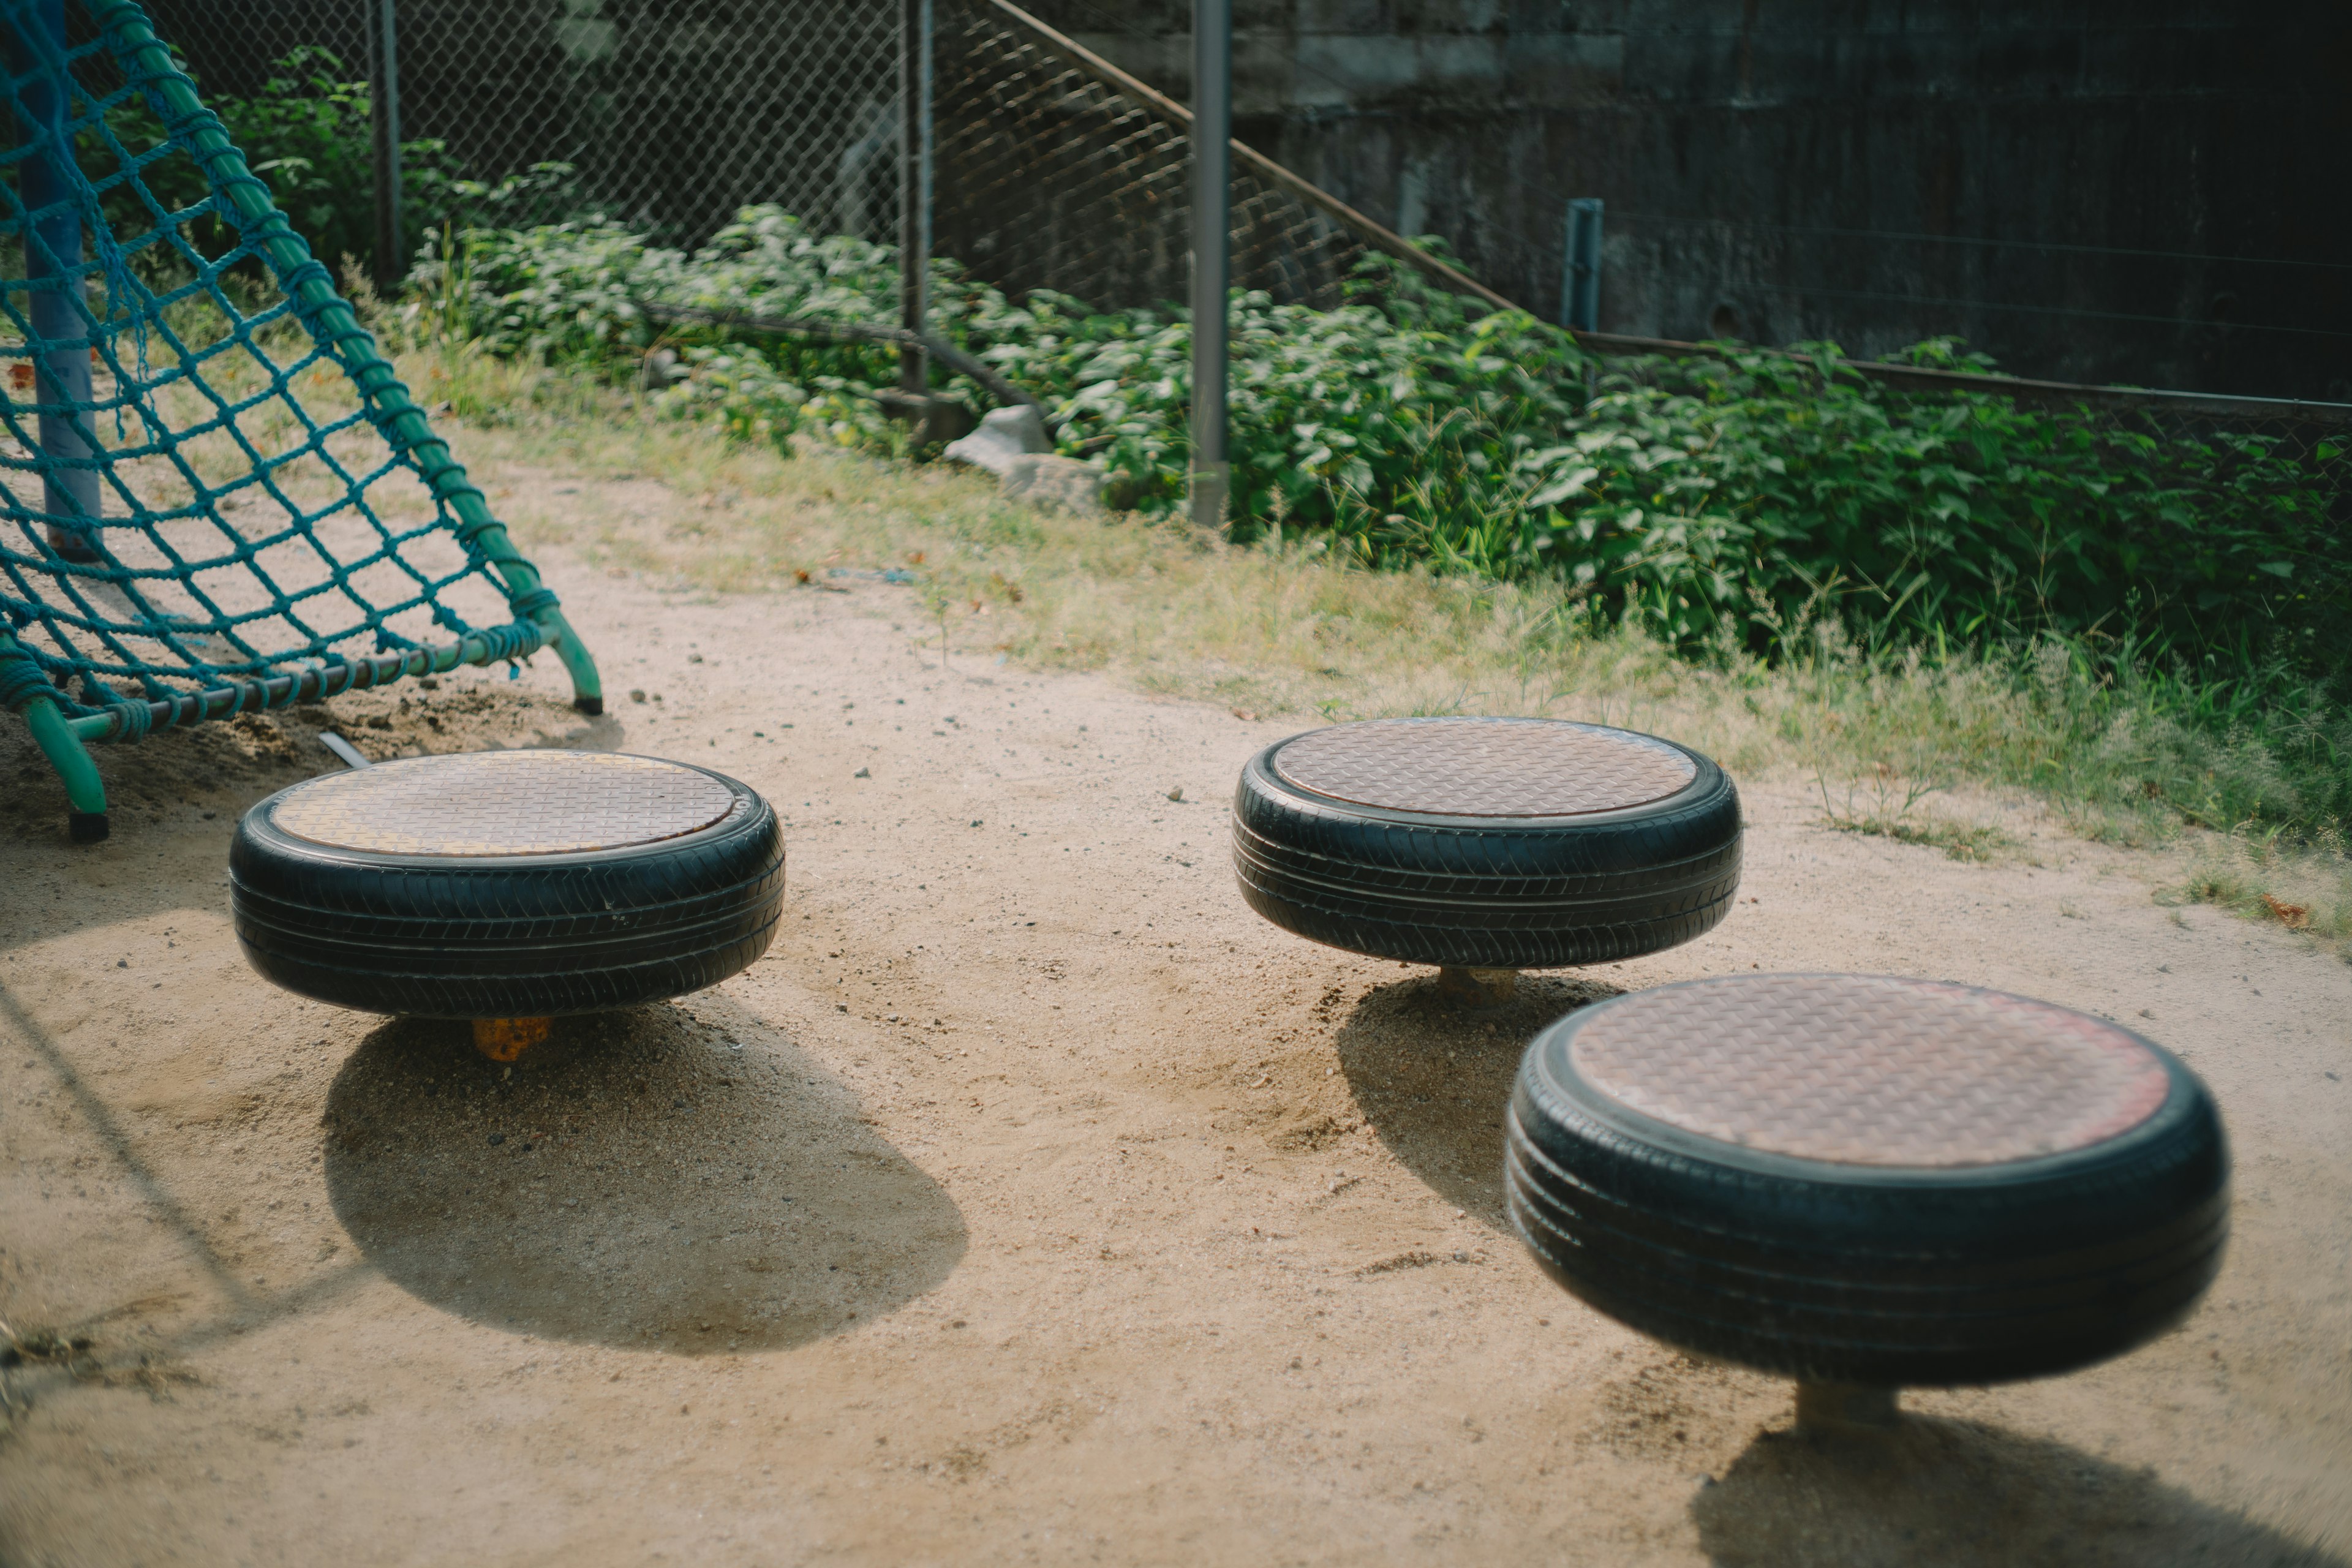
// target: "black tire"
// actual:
[[1873, 1275], [510, 935], [1518, 892]]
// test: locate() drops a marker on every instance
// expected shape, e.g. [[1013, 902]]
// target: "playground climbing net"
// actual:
[[217, 495]]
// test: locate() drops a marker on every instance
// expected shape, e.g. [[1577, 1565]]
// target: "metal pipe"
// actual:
[[914, 257], [345, 753], [1212, 179], [1580, 284], [59, 309], [1837, 1409], [923, 184], [391, 247]]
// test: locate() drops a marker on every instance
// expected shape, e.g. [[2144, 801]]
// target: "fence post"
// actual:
[[1212, 121], [391, 249], [913, 184], [923, 184], [1580, 283]]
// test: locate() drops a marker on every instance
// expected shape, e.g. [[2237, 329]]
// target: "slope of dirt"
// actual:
[[1031, 1201]]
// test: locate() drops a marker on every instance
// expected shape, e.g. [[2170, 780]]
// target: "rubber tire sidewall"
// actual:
[[509, 935], [1878, 1275], [1482, 891]]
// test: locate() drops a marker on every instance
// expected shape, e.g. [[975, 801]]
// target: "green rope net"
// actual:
[[217, 495]]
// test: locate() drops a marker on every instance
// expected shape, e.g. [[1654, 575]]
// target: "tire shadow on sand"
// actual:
[[677, 1177], [1957, 1494], [1433, 1077]]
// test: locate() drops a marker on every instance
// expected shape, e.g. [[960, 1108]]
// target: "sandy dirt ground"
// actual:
[[1031, 1201]]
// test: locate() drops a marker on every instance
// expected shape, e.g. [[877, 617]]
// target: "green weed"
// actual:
[[1710, 501], [1287, 625]]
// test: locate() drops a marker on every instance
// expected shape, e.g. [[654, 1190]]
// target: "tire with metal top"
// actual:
[[506, 884], [1866, 1181], [1487, 843]]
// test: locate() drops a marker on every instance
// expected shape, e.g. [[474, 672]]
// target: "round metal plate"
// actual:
[[504, 802], [1870, 1071], [1486, 767]]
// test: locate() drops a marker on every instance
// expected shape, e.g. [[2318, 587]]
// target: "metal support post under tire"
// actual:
[[1212, 161], [1841, 1409]]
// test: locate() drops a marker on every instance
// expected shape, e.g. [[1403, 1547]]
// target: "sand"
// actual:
[[1032, 1200]]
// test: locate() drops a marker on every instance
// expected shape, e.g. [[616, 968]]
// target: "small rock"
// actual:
[[863, 773], [1177, 793], [1051, 482], [694, 658], [497, 1139], [636, 694], [975, 822], [1005, 435]]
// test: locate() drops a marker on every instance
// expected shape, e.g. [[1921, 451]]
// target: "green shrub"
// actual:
[[308, 136], [1711, 500]]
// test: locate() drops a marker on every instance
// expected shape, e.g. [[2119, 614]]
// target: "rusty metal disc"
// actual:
[[1870, 1069], [504, 802], [1486, 767]]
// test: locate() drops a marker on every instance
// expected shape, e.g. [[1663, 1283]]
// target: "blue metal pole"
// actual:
[[60, 316]]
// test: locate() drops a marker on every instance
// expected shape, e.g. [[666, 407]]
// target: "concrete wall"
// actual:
[[2093, 190]]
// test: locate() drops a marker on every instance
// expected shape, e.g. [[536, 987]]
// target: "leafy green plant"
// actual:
[[308, 136], [1708, 499]]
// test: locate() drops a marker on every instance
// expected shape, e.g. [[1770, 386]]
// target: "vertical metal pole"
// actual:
[[391, 242], [1213, 130], [914, 134], [929, 136], [59, 309], [1580, 284]]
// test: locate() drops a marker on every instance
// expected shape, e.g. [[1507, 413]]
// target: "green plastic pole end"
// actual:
[[85, 791], [587, 687]]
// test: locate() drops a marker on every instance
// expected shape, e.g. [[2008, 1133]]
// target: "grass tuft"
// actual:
[[2136, 753], [2304, 891]]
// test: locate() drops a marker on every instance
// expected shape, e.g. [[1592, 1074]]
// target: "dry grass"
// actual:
[[2304, 891], [1278, 627]]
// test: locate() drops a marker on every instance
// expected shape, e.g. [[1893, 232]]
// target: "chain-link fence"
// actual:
[[672, 112], [1051, 168]]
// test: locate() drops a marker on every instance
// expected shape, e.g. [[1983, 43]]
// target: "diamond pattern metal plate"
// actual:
[[1870, 1071], [1486, 767], [504, 802]]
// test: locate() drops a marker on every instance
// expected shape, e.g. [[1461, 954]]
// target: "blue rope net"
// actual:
[[217, 495]]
